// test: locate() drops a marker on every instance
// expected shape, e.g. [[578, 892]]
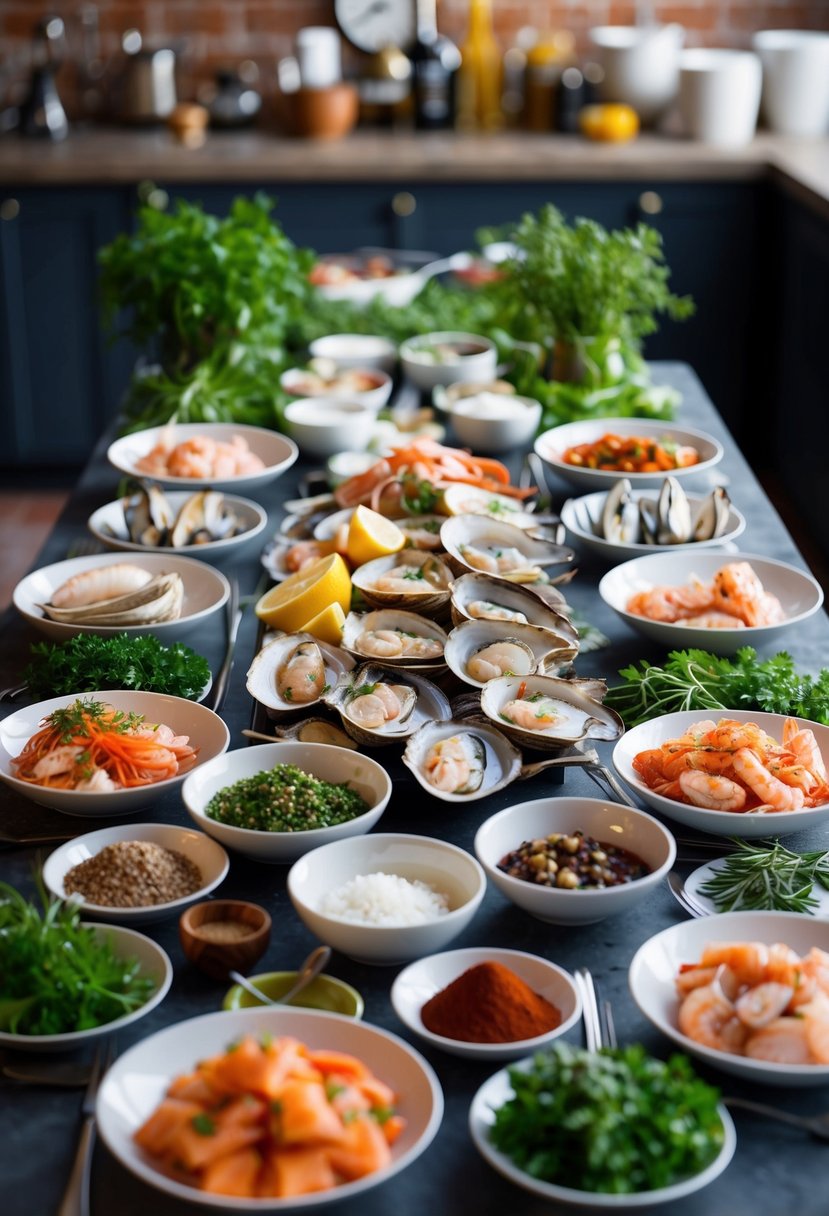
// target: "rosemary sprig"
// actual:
[[767, 876]]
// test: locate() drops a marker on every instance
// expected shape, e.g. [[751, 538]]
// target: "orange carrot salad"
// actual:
[[273, 1119], [425, 460], [91, 746], [631, 454]]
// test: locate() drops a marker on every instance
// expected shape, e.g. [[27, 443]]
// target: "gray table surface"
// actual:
[[775, 1169]]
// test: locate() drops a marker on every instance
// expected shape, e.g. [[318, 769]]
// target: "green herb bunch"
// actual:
[[57, 975], [614, 1121], [88, 662], [766, 876]]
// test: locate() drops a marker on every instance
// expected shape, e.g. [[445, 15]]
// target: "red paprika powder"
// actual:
[[489, 1004]]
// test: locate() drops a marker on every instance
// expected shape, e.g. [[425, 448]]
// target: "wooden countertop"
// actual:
[[112, 155]]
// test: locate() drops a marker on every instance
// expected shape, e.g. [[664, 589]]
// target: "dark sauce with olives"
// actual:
[[573, 862]]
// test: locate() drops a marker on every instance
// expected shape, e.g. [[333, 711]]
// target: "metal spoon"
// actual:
[[316, 962], [818, 1125]]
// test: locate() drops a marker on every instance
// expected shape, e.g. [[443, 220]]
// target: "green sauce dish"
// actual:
[[325, 992]]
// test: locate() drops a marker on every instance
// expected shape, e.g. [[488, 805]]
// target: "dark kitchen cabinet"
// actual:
[[59, 380]]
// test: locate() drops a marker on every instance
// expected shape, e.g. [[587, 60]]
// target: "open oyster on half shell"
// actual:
[[547, 712], [501, 550], [481, 597], [293, 672], [413, 579], [392, 635], [381, 704], [482, 650], [461, 761]]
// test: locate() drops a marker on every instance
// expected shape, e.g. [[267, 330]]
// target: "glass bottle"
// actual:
[[479, 79], [435, 62]]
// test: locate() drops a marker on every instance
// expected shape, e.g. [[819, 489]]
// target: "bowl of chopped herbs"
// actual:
[[276, 801]]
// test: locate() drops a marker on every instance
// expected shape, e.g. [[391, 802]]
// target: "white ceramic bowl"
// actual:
[[498, 1090], [641, 65], [323, 426], [717, 823], [420, 981], [719, 95], [799, 593], [276, 451], [427, 373], [656, 963], [321, 760], [208, 856], [445, 867], [138, 1080], [107, 525], [577, 515], [205, 592], [356, 350], [607, 822], [291, 382], [795, 80], [552, 444], [206, 730], [126, 944], [495, 422]]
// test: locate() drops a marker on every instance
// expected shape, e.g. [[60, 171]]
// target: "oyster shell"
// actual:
[[481, 597], [391, 635], [158, 600], [474, 647], [547, 713], [461, 499], [413, 579], [503, 551], [493, 760], [379, 704], [272, 673]]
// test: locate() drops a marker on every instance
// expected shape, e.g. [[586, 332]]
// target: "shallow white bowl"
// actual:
[[656, 963], [291, 381], [107, 525], [443, 866], [577, 515], [477, 368], [799, 593], [276, 451], [126, 944], [552, 444], [322, 760], [206, 591], [206, 730], [355, 350], [498, 1089], [607, 822], [486, 434], [139, 1078], [208, 856], [420, 981], [323, 426], [718, 823]]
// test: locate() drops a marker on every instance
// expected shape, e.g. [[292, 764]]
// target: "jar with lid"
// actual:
[[546, 60]]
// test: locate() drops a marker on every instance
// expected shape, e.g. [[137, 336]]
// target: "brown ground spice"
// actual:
[[133, 874], [489, 1004]]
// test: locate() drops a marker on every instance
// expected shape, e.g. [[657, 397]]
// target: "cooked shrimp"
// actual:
[[763, 1003], [100, 583], [708, 1018], [670, 603], [747, 960], [499, 659], [769, 790], [532, 715], [712, 793], [58, 760], [301, 678], [729, 735], [447, 766], [714, 620], [801, 742], [783, 1041], [380, 643], [420, 647], [738, 590], [794, 774], [691, 977], [816, 1017]]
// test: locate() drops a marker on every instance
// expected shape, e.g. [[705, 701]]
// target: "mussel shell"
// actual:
[[713, 515], [392, 618], [673, 514], [478, 531], [502, 758], [590, 718], [471, 587], [148, 516], [262, 673], [424, 596], [545, 649], [203, 517], [431, 705]]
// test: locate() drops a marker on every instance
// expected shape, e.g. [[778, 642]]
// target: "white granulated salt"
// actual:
[[385, 899]]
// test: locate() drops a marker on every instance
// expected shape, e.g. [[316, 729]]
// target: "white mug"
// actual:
[[719, 95], [795, 80], [318, 52]]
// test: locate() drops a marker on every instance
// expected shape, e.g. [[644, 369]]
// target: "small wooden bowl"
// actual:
[[218, 958], [325, 113]]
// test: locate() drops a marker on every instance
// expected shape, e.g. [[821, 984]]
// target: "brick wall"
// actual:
[[212, 33]]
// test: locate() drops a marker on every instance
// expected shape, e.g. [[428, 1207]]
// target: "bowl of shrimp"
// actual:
[[710, 601], [735, 773], [747, 992], [200, 455], [106, 753]]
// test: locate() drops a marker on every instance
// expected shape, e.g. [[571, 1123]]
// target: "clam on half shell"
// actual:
[[493, 760], [501, 550], [418, 699], [573, 708], [479, 596], [461, 499], [475, 647], [422, 641], [421, 584], [266, 672]]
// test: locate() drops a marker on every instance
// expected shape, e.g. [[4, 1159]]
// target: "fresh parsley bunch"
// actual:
[[88, 662]]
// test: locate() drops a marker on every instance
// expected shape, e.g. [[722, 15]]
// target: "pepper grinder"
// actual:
[[42, 114]]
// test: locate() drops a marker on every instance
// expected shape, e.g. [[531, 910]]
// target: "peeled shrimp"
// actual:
[[801, 742], [380, 643], [447, 766], [783, 1041], [713, 793], [763, 1003], [498, 659], [748, 960], [772, 793], [532, 715], [714, 620], [708, 1018], [738, 591], [100, 583], [670, 603], [301, 678]]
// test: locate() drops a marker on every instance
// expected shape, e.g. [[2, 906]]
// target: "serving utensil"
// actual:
[[233, 619], [316, 962], [75, 1200], [816, 1125], [687, 902]]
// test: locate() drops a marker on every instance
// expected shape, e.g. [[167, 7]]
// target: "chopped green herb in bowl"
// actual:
[[285, 799]]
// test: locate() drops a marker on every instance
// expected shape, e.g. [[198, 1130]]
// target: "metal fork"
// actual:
[[75, 1200], [687, 902]]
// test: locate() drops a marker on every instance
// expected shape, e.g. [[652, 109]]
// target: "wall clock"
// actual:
[[374, 24]]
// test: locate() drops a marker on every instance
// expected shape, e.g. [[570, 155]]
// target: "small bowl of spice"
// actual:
[[486, 1003], [135, 874], [276, 801], [224, 935], [574, 861]]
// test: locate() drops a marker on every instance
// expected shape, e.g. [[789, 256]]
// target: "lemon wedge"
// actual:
[[306, 595], [371, 535], [326, 626]]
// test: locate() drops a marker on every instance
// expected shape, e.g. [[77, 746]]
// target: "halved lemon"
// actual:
[[371, 535], [305, 595], [327, 625]]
